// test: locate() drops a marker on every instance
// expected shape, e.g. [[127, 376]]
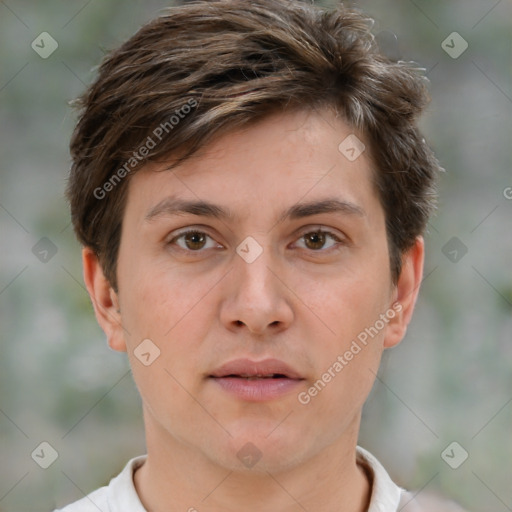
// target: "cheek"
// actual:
[[348, 336], [345, 362], [169, 307], [347, 304], [172, 312]]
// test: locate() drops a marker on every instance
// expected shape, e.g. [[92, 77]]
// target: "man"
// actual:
[[251, 189]]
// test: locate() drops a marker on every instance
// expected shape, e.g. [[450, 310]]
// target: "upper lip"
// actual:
[[249, 368]]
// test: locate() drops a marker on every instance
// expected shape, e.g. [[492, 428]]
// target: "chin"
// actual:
[[260, 449]]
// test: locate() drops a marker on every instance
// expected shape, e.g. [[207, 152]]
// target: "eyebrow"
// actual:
[[172, 206]]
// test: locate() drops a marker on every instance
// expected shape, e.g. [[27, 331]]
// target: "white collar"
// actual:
[[385, 495]]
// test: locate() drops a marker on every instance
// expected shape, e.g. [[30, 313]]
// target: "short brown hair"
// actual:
[[217, 65]]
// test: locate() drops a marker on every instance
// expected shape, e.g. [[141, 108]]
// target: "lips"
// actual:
[[266, 369], [257, 381]]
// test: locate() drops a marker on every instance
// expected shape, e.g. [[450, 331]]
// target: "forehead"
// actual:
[[276, 162]]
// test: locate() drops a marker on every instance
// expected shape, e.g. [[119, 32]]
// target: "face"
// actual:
[[268, 303]]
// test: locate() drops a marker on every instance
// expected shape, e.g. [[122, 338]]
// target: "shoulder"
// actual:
[[386, 496], [118, 496], [427, 502], [96, 500]]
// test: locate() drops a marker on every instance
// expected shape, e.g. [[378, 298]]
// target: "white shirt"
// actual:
[[120, 494]]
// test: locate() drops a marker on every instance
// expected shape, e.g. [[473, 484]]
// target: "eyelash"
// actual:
[[339, 242]]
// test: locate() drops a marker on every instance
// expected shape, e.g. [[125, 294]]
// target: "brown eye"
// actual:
[[320, 241], [315, 240], [194, 240]]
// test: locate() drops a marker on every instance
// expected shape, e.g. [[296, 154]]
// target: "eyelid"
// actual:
[[312, 228]]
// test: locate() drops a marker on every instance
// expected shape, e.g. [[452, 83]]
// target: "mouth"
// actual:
[[256, 381], [256, 377]]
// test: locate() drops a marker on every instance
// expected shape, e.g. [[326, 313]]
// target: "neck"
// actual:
[[177, 477]]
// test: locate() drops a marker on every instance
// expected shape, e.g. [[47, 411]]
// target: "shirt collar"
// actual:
[[385, 494], [122, 495]]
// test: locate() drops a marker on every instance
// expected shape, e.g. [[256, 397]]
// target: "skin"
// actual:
[[303, 303]]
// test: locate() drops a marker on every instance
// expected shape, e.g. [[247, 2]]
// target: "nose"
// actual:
[[257, 298]]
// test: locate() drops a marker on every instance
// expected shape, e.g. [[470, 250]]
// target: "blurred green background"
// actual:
[[449, 380]]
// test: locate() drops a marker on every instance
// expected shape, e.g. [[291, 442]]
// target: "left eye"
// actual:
[[315, 240]]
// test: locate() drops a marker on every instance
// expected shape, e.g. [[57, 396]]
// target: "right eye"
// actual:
[[193, 240]]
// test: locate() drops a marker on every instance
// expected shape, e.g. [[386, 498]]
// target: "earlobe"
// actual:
[[104, 300], [406, 293]]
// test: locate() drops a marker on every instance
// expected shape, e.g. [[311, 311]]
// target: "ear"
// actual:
[[104, 300], [405, 293]]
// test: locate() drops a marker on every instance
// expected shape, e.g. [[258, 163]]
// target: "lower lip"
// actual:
[[257, 390]]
